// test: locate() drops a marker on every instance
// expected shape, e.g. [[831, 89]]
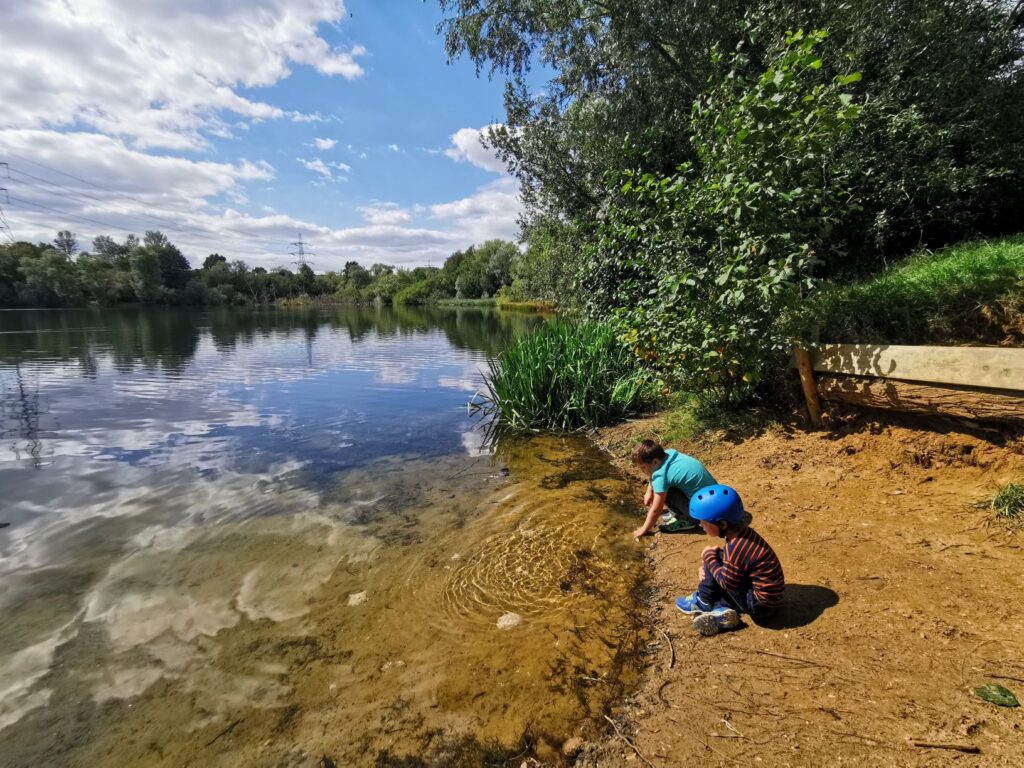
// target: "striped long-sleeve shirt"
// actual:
[[747, 562]]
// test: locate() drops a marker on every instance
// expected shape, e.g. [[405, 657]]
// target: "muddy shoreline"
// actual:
[[902, 597]]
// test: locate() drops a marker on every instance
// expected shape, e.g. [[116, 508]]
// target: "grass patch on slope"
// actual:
[[1007, 503], [971, 292]]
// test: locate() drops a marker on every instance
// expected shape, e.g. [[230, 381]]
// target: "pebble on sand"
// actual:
[[510, 621], [357, 598]]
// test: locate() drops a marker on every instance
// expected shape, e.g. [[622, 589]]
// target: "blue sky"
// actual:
[[244, 122]]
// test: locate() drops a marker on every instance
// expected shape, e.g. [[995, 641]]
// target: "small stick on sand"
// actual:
[[628, 742], [225, 732], [788, 658], [968, 748], [1008, 677], [671, 648]]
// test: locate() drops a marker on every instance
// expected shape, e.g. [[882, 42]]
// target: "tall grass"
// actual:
[[968, 292], [562, 377]]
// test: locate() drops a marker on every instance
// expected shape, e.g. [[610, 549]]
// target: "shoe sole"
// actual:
[[706, 625], [727, 619]]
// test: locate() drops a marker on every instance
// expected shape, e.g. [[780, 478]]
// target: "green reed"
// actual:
[[564, 376]]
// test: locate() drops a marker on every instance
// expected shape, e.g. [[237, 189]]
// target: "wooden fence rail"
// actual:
[[985, 383]]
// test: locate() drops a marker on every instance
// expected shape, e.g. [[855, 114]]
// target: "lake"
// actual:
[[269, 537]]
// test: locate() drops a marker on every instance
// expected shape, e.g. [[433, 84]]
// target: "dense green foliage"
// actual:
[[969, 292], [695, 170], [697, 267], [479, 272], [154, 271], [936, 156], [565, 376]]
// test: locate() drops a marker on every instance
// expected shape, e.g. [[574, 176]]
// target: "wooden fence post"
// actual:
[[803, 364]]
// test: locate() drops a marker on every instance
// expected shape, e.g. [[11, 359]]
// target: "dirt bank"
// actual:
[[902, 598]]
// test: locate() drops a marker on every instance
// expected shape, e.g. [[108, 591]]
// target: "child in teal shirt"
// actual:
[[675, 478]]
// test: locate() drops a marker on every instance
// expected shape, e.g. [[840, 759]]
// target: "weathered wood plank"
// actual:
[[906, 396], [990, 367]]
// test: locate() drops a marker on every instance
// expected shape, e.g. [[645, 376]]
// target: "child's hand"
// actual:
[[639, 533], [701, 574]]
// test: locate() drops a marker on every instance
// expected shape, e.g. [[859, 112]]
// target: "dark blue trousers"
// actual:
[[742, 600]]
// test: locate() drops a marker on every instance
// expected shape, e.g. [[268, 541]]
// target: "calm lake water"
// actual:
[[261, 538]]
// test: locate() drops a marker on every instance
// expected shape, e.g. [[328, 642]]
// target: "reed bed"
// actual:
[[564, 376]]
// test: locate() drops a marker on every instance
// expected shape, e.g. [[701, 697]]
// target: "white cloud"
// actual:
[[490, 212], [325, 144], [393, 147], [317, 166], [160, 73], [343, 167], [467, 146], [183, 194], [384, 213]]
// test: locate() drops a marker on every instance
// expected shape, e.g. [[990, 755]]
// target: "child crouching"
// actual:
[[743, 577]]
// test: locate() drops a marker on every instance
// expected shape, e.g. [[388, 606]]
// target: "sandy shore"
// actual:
[[902, 598]]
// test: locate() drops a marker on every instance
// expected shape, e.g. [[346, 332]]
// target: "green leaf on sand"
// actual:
[[997, 694]]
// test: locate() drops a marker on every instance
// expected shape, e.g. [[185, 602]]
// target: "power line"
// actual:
[[167, 223], [78, 178], [69, 215], [106, 224]]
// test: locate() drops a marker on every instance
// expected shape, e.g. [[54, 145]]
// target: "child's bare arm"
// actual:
[[656, 508]]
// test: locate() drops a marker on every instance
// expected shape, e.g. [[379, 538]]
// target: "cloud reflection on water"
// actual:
[[164, 478]]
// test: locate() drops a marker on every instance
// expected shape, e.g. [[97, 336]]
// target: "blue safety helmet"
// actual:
[[716, 503]]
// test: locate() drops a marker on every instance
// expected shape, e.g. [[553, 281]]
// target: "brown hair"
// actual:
[[648, 452]]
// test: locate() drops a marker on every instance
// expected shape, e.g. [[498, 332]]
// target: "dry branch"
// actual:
[[629, 743]]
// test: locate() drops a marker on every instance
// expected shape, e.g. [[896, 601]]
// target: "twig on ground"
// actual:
[[1008, 677], [716, 751], [225, 732], [850, 734], [788, 658], [963, 661], [671, 648], [628, 742], [944, 547], [968, 748]]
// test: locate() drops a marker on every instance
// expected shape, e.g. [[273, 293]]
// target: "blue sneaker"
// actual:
[[692, 605]]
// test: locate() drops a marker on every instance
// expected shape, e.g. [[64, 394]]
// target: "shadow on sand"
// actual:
[[803, 604]]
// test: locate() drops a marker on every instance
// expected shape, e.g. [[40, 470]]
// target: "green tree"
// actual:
[[698, 267], [66, 243], [50, 280], [147, 275], [937, 154]]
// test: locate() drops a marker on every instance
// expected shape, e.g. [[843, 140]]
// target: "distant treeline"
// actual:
[[154, 271]]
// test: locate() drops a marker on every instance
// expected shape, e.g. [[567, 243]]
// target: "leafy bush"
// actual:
[[697, 268], [422, 292], [565, 376], [969, 292]]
